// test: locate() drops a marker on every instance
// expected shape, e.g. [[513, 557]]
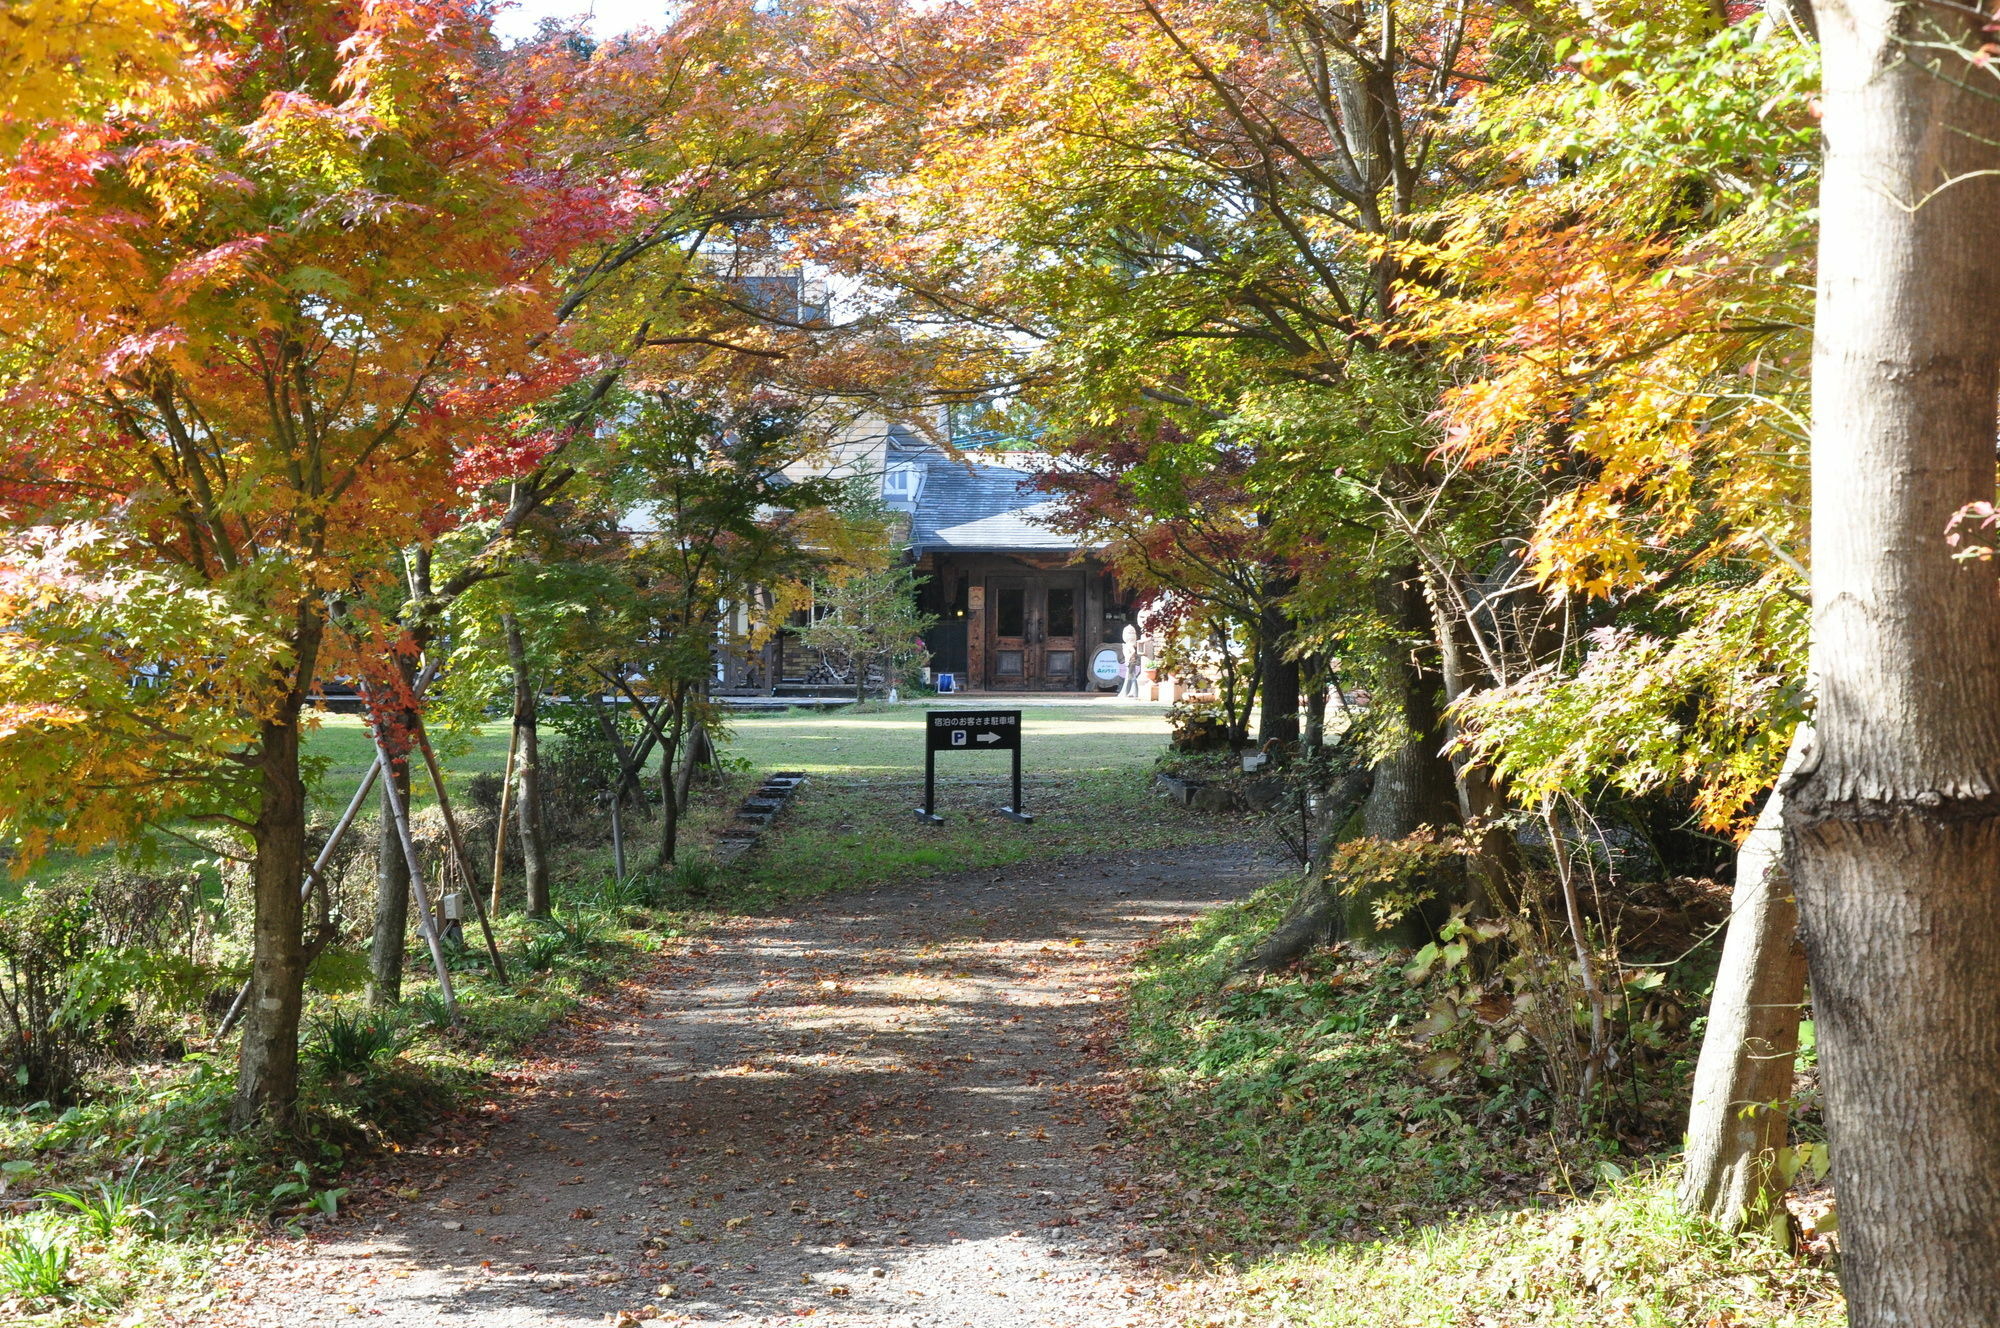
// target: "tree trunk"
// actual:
[[1894, 815], [1743, 1082], [392, 870], [670, 805], [1494, 865], [267, 1077], [695, 750], [1278, 721], [392, 900], [1416, 786], [1312, 737], [534, 862], [500, 824]]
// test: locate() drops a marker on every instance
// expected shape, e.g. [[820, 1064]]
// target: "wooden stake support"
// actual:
[[458, 853], [400, 812]]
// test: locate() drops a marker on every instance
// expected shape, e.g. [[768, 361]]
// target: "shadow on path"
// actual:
[[872, 1111]]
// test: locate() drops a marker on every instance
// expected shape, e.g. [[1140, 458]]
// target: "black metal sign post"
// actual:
[[970, 731]]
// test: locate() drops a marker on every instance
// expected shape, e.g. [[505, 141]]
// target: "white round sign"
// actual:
[[1104, 666]]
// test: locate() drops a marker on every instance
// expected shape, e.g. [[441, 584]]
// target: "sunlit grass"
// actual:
[[1055, 740], [1086, 778], [1289, 1115]]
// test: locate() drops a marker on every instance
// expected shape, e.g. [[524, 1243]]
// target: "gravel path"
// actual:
[[880, 1110]]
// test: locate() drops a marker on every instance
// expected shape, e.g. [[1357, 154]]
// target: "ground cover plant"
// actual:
[[122, 1195], [1301, 1141]]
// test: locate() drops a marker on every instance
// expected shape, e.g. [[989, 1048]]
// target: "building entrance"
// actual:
[[1032, 623]]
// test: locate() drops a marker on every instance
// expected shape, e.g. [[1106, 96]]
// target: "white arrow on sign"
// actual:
[[987, 737]]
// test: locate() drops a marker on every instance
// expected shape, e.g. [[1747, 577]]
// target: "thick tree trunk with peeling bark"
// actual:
[[1415, 786], [1895, 811], [1494, 864], [1740, 1109]]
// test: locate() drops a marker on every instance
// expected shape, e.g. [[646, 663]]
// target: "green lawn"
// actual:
[[341, 742], [1058, 740], [1087, 779]]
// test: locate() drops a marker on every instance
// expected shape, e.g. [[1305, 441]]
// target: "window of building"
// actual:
[[901, 482], [1062, 611], [1009, 611]]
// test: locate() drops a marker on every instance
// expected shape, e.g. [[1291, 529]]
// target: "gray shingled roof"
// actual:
[[968, 506]]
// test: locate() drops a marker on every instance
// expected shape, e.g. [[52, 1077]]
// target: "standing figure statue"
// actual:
[[1128, 656]]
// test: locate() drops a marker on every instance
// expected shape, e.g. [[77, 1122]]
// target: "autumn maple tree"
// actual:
[[252, 348], [63, 58]]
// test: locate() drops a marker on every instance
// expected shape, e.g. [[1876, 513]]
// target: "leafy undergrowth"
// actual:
[[1290, 1108], [1291, 1133], [160, 1183]]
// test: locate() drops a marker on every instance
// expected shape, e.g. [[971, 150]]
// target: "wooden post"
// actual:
[[400, 813], [975, 635], [500, 822], [458, 853]]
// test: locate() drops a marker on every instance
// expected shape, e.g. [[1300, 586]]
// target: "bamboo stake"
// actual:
[[500, 825], [458, 854], [426, 923]]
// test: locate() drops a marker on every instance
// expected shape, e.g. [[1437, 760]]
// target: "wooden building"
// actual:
[[1020, 607]]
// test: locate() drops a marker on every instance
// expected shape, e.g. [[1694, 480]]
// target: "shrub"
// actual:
[[89, 968], [579, 768]]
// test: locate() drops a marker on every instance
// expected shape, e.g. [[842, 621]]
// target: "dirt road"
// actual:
[[879, 1110]]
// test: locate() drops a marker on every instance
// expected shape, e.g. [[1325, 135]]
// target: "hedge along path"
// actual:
[[877, 1110]]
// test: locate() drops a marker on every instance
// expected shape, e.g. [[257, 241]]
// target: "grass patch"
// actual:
[[1290, 1132], [1087, 779], [1289, 1108], [137, 1191], [159, 1184], [1626, 1256], [342, 749]]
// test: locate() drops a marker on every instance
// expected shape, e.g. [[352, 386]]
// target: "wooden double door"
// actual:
[[1035, 627]]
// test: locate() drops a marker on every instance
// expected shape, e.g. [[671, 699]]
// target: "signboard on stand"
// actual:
[[970, 731]]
